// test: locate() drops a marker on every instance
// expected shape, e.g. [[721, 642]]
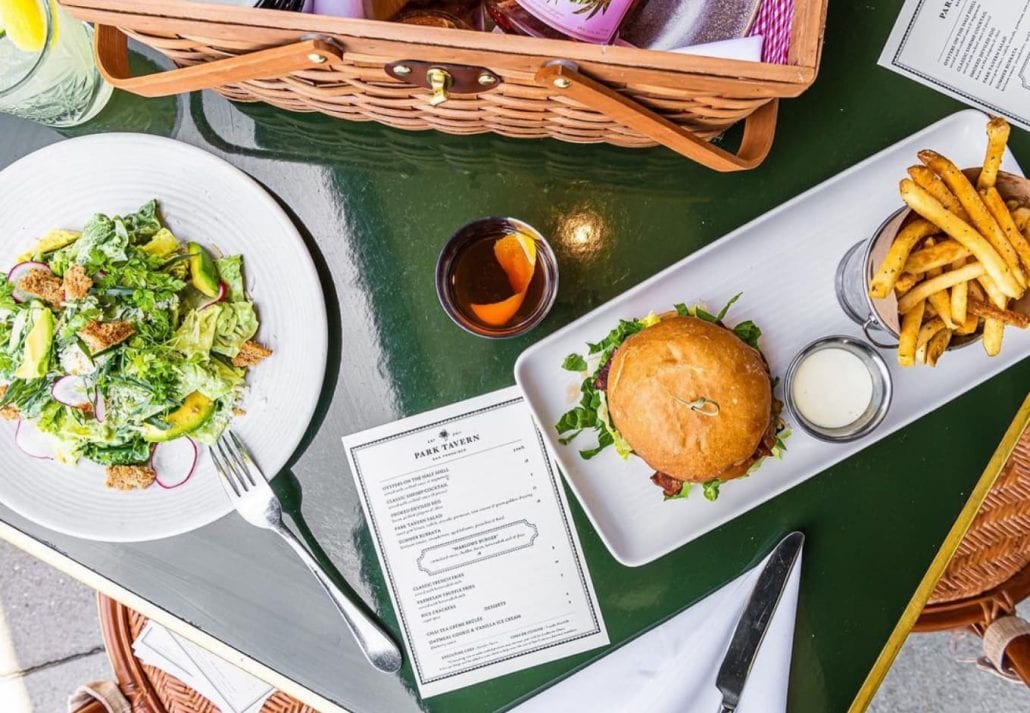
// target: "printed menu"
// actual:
[[977, 51], [473, 532]]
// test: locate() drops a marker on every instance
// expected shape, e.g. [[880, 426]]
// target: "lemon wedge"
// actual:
[[25, 23]]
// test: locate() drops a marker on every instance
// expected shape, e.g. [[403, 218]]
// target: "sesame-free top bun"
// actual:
[[658, 372]]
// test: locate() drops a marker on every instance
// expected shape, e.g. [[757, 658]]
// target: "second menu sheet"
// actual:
[[477, 546]]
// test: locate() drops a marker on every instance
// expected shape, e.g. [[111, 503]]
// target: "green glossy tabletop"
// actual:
[[376, 205]]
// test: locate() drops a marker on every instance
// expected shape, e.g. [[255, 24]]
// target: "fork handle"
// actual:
[[375, 643]]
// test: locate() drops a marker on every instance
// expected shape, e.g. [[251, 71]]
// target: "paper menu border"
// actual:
[[891, 58], [505, 398]]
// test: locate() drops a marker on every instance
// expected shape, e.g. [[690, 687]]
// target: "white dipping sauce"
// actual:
[[832, 388]]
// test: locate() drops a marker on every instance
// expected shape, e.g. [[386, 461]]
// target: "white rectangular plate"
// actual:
[[784, 262]]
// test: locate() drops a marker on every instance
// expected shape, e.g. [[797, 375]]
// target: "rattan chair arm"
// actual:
[[112, 54], [759, 127], [91, 706], [1018, 656]]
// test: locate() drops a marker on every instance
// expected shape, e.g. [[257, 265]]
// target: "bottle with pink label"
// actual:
[[594, 21]]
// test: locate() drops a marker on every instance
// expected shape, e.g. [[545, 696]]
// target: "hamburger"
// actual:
[[688, 395]]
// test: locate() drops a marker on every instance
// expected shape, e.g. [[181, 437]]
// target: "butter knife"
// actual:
[[747, 638]]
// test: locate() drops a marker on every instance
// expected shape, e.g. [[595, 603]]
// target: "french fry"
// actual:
[[906, 282], [976, 292], [994, 329], [936, 347], [926, 288], [995, 294], [910, 322], [979, 215], [1021, 217], [997, 137], [959, 297], [970, 325], [1001, 213], [923, 203], [929, 181], [885, 277], [928, 330], [1005, 316], [994, 332], [938, 255], [941, 301]]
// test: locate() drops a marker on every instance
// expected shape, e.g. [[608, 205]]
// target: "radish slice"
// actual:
[[21, 270], [174, 461], [222, 291], [33, 442], [71, 391], [99, 406]]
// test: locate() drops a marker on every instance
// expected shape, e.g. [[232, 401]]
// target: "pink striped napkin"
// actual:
[[773, 24]]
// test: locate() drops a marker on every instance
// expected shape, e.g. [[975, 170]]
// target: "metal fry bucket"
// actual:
[[856, 270]]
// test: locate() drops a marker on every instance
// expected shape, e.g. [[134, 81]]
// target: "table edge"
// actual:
[[944, 555], [870, 685], [102, 584]]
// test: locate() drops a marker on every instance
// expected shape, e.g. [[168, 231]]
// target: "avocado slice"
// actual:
[[194, 413], [54, 240], [36, 355], [163, 243], [203, 270]]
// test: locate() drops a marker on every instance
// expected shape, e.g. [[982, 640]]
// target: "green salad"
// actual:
[[121, 337]]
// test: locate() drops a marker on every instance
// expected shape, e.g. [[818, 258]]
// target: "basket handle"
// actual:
[[759, 127], [111, 48]]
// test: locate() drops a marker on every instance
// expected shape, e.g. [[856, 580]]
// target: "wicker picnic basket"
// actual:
[[461, 82]]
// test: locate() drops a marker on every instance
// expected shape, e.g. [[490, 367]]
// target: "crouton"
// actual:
[[44, 285], [251, 353], [104, 335], [8, 413], [130, 477], [76, 283]]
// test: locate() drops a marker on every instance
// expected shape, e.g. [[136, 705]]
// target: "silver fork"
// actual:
[[253, 498]]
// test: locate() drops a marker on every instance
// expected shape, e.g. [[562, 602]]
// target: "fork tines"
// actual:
[[234, 464]]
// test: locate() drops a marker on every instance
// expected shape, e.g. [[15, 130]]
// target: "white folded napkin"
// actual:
[[672, 668], [231, 689], [748, 49], [744, 48]]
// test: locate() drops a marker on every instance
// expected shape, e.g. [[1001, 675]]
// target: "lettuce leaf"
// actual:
[[237, 322], [231, 271], [103, 242], [682, 494], [215, 379], [622, 447], [143, 224], [711, 489], [196, 335]]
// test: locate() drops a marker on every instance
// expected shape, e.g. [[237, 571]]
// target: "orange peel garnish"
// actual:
[[498, 314], [516, 254]]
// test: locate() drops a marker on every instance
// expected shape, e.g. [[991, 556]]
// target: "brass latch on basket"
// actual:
[[440, 80], [444, 80]]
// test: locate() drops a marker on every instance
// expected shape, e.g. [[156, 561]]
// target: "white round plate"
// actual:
[[201, 198]]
